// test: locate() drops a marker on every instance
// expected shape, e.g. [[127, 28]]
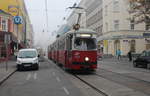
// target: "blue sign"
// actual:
[[146, 35], [18, 20]]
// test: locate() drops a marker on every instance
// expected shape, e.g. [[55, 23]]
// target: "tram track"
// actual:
[[107, 83], [91, 86], [125, 80], [82, 80]]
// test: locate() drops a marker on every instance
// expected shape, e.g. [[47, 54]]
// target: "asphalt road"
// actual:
[[47, 81], [114, 78]]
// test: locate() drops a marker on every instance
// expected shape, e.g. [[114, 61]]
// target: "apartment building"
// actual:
[[20, 34], [111, 20], [119, 32], [17, 7]]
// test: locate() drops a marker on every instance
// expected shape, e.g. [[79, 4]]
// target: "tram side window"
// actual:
[[62, 45]]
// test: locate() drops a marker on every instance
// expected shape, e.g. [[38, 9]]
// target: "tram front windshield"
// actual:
[[85, 43]]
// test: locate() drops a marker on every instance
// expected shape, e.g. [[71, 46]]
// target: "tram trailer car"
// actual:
[[75, 50]]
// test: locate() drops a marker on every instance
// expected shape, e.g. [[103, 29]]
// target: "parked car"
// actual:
[[143, 60], [27, 58]]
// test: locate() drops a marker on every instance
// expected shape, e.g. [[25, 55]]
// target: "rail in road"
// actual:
[[90, 85], [109, 87], [126, 80]]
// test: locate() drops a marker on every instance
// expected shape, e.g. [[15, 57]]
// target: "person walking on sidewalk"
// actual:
[[130, 55], [118, 53]]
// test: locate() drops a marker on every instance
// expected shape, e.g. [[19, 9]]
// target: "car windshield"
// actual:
[[27, 54], [146, 53], [85, 43]]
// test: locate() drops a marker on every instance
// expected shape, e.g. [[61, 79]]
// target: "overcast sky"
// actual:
[[56, 12]]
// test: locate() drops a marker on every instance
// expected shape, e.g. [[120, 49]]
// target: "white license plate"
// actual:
[[27, 65]]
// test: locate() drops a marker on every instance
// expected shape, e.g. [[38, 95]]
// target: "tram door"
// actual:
[[68, 50]]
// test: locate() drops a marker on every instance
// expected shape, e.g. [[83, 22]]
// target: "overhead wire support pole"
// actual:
[[79, 14], [46, 10]]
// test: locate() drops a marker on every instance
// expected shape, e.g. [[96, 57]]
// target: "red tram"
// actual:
[[75, 50]]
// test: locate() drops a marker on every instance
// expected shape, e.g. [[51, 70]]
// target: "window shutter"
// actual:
[[9, 25]]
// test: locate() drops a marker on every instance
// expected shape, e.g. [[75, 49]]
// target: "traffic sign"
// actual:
[[18, 20]]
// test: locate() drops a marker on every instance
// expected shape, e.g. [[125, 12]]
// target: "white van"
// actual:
[[27, 58]]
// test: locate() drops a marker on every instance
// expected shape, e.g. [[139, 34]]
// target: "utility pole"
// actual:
[[46, 11]]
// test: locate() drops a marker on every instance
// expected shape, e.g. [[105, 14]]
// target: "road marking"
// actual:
[[35, 76], [58, 79], [66, 91], [29, 76], [53, 73]]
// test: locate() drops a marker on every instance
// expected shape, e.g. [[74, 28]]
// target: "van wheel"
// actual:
[[19, 68], [36, 67]]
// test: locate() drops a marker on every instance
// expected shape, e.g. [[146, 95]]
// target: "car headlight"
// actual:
[[18, 62], [87, 59], [35, 61]]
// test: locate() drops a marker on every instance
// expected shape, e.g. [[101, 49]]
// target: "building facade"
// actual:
[[20, 34], [6, 36], [23, 31], [119, 32]]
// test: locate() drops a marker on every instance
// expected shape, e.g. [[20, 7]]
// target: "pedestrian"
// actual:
[[130, 55], [118, 53]]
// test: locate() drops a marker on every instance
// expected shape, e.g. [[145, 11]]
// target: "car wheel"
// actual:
[[148, 66], [19, 68], [37, 67], [134, 64]]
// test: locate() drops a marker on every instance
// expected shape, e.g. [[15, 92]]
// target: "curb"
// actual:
[[7, 76]]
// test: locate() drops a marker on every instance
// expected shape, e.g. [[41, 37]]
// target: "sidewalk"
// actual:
[[124, 67], [6, 70], [115, 59]]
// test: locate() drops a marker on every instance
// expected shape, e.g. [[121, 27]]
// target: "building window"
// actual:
[[116, 25], [132, 24], [4, 25], [147, 27], [116, 5]]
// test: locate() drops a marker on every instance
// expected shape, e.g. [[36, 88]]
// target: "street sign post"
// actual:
[[17, 21]]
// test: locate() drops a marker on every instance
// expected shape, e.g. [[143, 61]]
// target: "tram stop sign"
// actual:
[[76, 27], [18, 20]]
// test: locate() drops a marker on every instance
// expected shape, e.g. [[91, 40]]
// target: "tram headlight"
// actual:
[[87, 59]]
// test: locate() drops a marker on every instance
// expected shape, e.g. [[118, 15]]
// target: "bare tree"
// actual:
[[140, 12]]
